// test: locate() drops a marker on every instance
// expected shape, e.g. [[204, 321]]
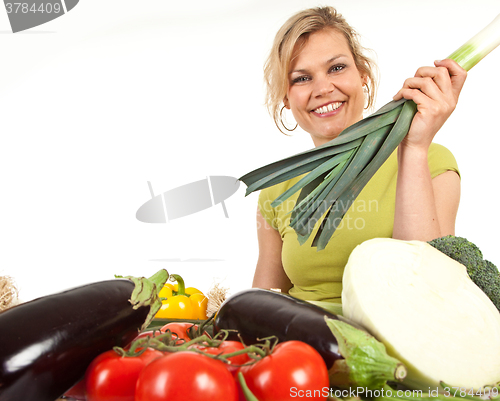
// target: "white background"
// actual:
[[117, 93]]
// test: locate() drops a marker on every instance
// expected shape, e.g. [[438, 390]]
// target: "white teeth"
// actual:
[[328, 108]]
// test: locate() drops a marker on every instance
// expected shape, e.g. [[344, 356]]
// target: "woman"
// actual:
[[317, 70]]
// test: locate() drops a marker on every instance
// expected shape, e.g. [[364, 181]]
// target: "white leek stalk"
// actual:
[[475, 49]]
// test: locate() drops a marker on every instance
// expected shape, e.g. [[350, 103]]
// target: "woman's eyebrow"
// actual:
[[335, 58], [329, 61]]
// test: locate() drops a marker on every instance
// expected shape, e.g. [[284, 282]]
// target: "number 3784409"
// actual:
[[25, 8], [463, 392]]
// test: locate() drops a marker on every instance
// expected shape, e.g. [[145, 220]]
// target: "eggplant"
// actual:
[[48, 343], [255, 314], [258, 313]]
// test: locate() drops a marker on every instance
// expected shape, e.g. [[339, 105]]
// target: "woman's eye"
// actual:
[[302, 78], [337, 67]]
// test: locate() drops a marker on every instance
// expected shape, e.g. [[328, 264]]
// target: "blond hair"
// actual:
[[294, 33]]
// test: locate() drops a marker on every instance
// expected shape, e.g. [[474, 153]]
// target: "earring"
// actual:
[[283, 124], [367, 93]]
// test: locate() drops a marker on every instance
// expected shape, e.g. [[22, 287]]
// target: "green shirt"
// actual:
[[317, 276]]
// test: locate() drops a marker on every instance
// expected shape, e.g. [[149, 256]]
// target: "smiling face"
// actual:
[[325, 90]]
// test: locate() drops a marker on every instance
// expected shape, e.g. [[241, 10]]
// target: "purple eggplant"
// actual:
[[255, 314], [47, 343], [258, 313]]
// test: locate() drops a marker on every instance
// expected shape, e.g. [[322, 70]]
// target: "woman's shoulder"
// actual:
[[441, 159], [437, 149]]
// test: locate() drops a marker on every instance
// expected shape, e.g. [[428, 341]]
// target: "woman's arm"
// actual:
[[269, 272], [426, 208]]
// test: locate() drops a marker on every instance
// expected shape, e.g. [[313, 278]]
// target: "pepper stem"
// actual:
[[181, 287]]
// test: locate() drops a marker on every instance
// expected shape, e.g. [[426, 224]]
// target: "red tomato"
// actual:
[[227, 347], [186, 375], [181, 329], [112, 377], [293, 370], [145, 334]]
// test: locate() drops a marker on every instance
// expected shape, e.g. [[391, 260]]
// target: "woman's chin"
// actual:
[[324, 137]]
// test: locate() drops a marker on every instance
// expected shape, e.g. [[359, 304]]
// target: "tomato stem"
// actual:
[[252, 349], [167, 342], [269, 344], [244, 387], [206, 324], [195, 331]]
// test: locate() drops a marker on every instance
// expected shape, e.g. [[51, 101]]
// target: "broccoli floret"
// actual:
[[461, 250], [484, 276], [482, 272], [489, 282]]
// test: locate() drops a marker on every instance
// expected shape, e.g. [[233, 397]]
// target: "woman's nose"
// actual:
[[323, 86]]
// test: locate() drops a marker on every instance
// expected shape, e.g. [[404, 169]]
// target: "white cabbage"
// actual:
[[426, 310]]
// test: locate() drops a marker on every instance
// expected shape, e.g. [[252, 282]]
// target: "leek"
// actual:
[[339, 170]]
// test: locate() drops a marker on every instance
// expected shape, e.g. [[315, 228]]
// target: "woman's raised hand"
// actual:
[[435, 90]]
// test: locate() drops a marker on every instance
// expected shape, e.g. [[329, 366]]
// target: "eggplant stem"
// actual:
[[146, 292], [361, 349], [400, 372]]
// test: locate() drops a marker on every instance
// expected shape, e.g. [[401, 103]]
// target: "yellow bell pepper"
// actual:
[[191, 290], [179, 302], [166, 291], [199, 302], [187, 291]]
